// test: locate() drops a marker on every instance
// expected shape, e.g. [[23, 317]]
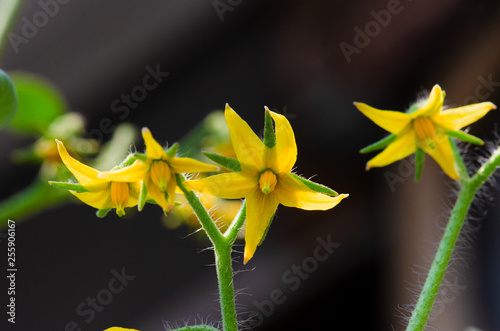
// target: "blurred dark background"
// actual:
[[309, 61]]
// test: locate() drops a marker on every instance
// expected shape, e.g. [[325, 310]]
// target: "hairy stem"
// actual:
[[469, 187], [222, 248]]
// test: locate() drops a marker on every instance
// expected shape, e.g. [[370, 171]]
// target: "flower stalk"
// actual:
[[468, 189], [222, 244]]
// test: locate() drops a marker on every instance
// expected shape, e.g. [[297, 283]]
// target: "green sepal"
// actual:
[[269, 134], [315, 186], [139, 156], [379, 144], [459, 161], [419, 163], [78, 188], [465, 137], [226, 162], [142, 196], [102, 212], [130, 159], [172, 150]]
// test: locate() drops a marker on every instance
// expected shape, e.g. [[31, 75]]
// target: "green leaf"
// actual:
[[39, 104], [419, 163], [465, 137], [8, 99], [69, 186], [315, 186], [269, 135], [102, 212], [379, 144], [226, 162]]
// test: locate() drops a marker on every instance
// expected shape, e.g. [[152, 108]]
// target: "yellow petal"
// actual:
[[401, 147], [83, 173], [457, 118], [442, 153], [134, 173], [99, 199], [135, 189], [392, 121], [233, 185], [433, 105], [260, 210], [187, 165], [153, 148], [286, 148], [116, 328], [157, 195], [249, 149], [293, 193], [171, 188]]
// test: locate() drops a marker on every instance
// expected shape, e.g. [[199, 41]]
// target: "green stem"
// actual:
[[34, 198], [232, 232], [224, 268], [222, 248], [7, 16], [469, 187], [206, 221]]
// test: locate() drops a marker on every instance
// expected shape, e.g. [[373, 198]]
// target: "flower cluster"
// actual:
[[151, 177], [425, 128], [261, 173]]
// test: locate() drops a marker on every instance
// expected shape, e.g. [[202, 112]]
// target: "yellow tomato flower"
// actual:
[[116, 328], [157, 171], [101, 193], [426, 127], [265, 179]]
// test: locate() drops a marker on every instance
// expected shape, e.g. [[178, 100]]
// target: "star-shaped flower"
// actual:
[[426, 127], [265, 179], [157, 171], [100, 193]]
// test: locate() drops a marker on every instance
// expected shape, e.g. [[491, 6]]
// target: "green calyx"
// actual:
[[226, 162], [78, 188], [269, 134], [315, 186], [379, 144]]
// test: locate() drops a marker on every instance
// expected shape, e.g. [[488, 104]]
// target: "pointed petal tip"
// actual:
[[247, 255], [437, 89]]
